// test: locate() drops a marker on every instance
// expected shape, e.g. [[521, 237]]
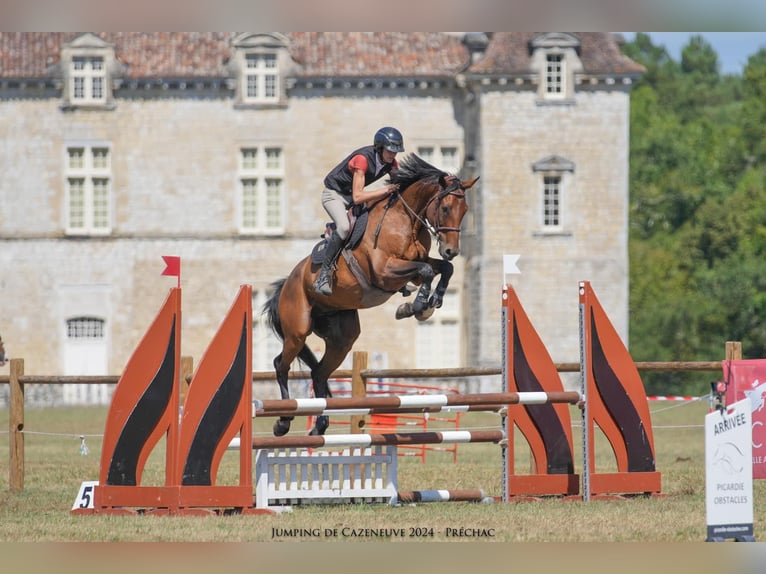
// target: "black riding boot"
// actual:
[[323, 283]]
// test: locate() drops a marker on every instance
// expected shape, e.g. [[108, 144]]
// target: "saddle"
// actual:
[[357, 217]]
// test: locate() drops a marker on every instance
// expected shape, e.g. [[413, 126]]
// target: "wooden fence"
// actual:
[[359, 375]]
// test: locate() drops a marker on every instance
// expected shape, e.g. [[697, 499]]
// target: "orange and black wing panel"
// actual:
[[218, 405], [145, 401]]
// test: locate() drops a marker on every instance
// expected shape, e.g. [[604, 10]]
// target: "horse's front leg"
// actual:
[[421, 272], [445, 269]]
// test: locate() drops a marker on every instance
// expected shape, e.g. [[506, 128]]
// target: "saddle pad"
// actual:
[[357, 232]]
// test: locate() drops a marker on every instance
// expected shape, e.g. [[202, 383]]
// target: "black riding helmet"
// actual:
[[390, 139]]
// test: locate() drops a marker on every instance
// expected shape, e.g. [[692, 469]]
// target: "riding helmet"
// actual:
[[390, 139]]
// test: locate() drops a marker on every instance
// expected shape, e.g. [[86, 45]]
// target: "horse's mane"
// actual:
[[414, 168]]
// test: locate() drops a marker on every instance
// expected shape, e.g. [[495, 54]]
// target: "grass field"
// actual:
[[55, 468]]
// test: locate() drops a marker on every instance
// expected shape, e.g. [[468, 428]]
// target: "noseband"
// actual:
[[455, 189]]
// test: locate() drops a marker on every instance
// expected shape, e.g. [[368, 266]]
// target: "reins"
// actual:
[[454, 189]]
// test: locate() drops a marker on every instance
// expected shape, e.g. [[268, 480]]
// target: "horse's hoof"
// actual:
[[425, 315], [435, 302], [321, 426], [281, 428], [404, 310]]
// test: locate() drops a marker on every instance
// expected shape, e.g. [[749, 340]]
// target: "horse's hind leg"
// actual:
[[282, 425], [339, 332], [295, 317]]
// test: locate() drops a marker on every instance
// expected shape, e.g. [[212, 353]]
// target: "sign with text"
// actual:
[[84, 499], [729, 472], [746, 379]]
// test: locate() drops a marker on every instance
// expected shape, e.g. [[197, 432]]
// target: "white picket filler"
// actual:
[[294, 476]]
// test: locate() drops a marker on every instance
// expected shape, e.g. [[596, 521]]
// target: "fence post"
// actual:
[[16, 427], [733, 350]]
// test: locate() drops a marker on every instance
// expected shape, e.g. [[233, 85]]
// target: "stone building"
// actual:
[[119, 148]]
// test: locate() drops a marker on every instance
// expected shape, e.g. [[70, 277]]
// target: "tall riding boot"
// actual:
[[323, 283]]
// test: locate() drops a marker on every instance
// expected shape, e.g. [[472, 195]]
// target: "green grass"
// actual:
[[55, 469]]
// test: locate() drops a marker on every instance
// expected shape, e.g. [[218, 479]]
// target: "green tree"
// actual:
[[753, 118], [697, 210]]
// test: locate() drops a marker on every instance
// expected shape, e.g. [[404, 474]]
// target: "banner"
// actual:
[[746, 379]]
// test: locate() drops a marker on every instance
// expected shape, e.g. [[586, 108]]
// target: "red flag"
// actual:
[[172, 266]]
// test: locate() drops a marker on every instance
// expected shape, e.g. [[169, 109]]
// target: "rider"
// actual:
[[344, 187]]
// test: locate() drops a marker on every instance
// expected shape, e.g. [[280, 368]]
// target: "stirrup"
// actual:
[[323, 284]]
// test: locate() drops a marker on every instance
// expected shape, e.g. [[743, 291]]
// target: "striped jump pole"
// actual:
[[409, 403], [461, 495], [365, 440]]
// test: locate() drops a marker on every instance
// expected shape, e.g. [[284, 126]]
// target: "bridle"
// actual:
[[455, 188]]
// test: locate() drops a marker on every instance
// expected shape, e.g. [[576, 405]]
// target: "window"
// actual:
[[88, 68], [85, 328], [260, 61], [554, 75], [88, 77], [555, 178], [88, 189], [445, 158], [261, 78], [261, 181], [551, 201], [556, 56], [437, 343]]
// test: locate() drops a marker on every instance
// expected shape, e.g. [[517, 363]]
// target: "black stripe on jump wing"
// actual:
[[217, 418], [544, 417], [144, 418]]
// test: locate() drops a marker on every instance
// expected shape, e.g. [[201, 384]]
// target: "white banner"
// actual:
[[729, 472]]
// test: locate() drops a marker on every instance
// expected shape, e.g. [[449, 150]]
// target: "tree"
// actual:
[[753, 119], [697, 210]]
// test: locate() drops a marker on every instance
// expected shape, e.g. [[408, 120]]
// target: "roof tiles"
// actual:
[[315, 54]]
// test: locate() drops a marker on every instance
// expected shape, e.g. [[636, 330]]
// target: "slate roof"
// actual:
[[315, 54], [508, 53]]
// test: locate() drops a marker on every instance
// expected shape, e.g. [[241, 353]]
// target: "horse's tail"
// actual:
[[271, 308]]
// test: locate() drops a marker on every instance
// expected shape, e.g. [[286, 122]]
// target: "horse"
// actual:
[[2, 352], [392, 252]]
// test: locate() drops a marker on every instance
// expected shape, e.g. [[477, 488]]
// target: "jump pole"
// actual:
[[366, 440], [408, 403]]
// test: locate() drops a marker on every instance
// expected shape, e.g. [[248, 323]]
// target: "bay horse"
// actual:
[[392, 252]]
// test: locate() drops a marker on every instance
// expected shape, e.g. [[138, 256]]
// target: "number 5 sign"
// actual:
[[84, 498]]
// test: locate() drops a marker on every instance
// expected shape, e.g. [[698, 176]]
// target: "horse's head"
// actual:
[[445, 213], [436, 199]]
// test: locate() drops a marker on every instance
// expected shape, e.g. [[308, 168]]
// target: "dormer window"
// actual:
[[261, 78], [555, 80], [556, 56], [259, 65], [88, 78], [87, 67]]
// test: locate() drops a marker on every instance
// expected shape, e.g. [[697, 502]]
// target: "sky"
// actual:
[[733, 48]]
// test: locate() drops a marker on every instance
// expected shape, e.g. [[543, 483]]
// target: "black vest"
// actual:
[[340, 177]]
